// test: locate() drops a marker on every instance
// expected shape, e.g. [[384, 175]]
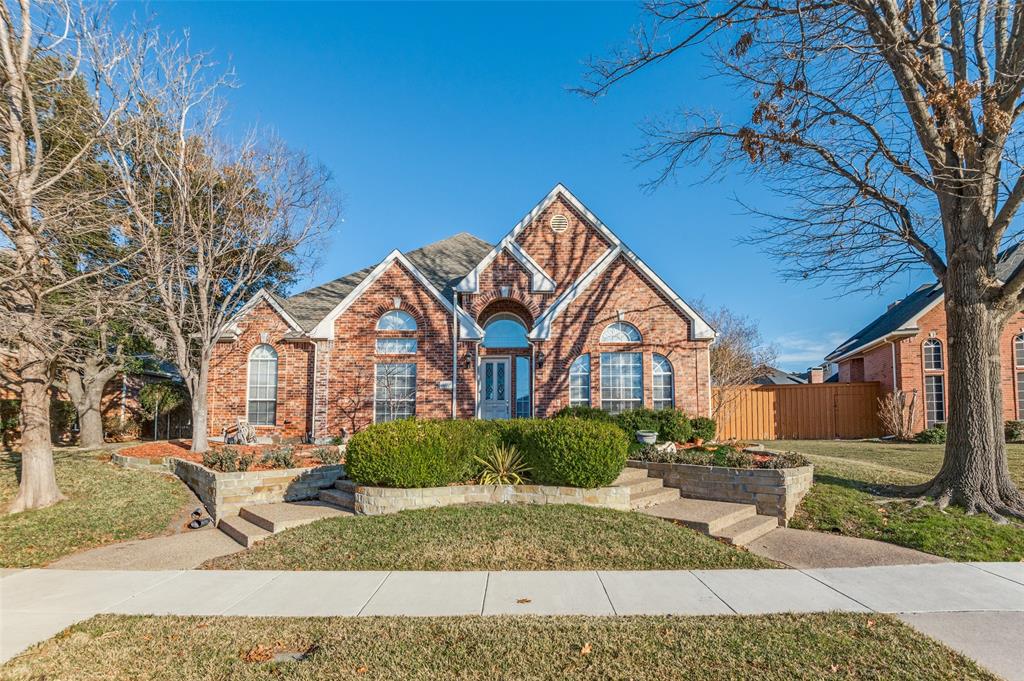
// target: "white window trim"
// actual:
[[931, 342], [415, 392], [672, 381], [600, 363], [248, 383], [405, 353], [590, 380], [415, 326], [640, 336]]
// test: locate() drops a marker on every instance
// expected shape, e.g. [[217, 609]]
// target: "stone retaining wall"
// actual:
[[383, 500], [224, 494], [775, 492]]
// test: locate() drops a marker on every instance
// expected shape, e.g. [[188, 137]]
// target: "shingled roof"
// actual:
[[902, 316], [444, 263]]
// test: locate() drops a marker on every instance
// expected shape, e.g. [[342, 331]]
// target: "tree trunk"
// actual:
[[38, 488], [200, 441], [974, 473], [87, 396]]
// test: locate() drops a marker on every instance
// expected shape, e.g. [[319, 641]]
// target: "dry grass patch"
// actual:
[[492, 537], [765, 648]]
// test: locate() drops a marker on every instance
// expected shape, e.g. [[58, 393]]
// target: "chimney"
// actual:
[[817, 375]]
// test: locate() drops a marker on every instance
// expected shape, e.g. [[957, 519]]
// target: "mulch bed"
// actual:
[[180, 449]]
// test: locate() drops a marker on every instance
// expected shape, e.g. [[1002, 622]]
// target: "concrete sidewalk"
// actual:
[[36, 604]]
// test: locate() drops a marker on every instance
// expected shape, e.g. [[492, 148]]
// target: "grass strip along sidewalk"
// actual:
[[499, 537], [783, 647]]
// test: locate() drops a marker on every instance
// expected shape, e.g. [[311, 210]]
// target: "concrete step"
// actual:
[[630, 474], [242, 531], [652, 497], [346, 501], [281, 516], [704, 516], [346, 485], [643, 485], [747, 530]]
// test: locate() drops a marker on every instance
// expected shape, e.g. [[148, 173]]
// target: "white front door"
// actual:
[[494, 382]]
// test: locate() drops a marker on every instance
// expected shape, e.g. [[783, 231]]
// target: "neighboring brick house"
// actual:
[[559, 312], [906, 349]]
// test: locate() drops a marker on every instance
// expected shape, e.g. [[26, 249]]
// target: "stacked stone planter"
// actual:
[[775, 492], [224, 494], [383, 500]]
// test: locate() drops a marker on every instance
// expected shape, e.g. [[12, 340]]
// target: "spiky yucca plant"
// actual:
[[504, 465]]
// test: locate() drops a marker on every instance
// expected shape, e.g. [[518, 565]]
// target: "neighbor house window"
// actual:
[[396, 346], [934, 400], [396, 320], [263, 386], [662, 386], [394, 395], [933, 355], [620, 332], [1018, 363], [934, 383], [579, 382], [622, 382]]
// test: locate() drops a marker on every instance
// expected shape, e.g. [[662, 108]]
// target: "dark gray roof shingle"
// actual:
[[443, 263], [898, 315]]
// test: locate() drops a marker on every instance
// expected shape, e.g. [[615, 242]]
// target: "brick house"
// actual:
[[905, 349], [559, 312]]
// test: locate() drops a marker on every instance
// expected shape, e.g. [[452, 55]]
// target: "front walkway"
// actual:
[[36, 604]]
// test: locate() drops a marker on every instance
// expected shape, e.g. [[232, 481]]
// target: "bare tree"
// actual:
[[53, 204], [738, 356], [897, 412], [216, 221], [894, 129]]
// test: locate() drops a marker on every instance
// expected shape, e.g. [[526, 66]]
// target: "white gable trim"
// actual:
[[263, 294], [540, 281], [471, 282], [542, 329], [700, 329], [468, 329], [910, 327]]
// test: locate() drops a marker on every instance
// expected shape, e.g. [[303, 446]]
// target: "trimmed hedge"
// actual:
[[410, 453], [570, 452], [704, 427], [583, 412]]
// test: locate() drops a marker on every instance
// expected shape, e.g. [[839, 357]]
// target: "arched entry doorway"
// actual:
[[504, 378]]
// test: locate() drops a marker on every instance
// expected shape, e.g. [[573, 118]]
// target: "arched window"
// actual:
[[396, 320], [934, 383], [664, 395], [579, 382], [933, 355], [263, 386], [620, 332], [1018, 363], [505, 331]]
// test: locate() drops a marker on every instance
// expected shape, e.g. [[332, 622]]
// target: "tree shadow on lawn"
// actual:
[[12, 461]]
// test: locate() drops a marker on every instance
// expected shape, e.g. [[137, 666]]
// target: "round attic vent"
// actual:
[[559, 223]]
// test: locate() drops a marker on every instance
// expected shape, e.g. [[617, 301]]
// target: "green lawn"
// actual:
[[498, 537], [104, 504], [853, 496], [765, 648]]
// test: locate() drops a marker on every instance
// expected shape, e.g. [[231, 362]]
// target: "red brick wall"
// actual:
[[910, 362], [663, 330], [229, 371]]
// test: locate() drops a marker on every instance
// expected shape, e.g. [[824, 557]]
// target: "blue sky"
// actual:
[[440, 118]]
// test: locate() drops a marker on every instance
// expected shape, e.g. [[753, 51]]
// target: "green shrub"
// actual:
[[226, 460], [583, 412], [936, 435], [1014, 431], [503, 465], [570, 452], [327, 455], [638, 419], [785, 460], [673, 426], [280, 457], [703, 428], [411, 453]]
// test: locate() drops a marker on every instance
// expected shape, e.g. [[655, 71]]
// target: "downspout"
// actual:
[[316, 373], [894, 386], [533, 380], [455, 349]]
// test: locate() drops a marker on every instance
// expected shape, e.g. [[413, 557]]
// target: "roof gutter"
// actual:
[[888, 338]]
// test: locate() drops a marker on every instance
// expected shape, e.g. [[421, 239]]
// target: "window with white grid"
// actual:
[[661, 386], [394, 395], [933, 355], [579, 382], [934, 400], [262, 386], [622, 381], [1018, 363]]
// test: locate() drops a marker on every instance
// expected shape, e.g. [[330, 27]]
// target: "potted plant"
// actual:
[[646, 437]]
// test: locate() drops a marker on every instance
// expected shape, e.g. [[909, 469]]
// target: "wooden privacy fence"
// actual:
[[801, 412]]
